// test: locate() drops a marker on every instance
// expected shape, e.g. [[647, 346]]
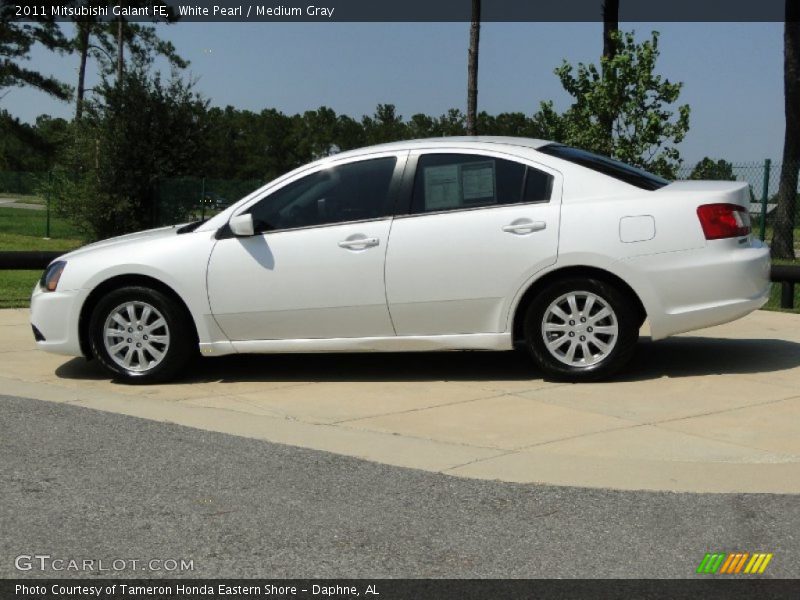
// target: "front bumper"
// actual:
[[56, 315]]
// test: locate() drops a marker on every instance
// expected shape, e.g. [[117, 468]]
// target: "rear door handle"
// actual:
[[359, 243], [524, 226]]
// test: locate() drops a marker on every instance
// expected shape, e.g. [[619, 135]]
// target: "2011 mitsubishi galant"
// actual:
[[446, 244]]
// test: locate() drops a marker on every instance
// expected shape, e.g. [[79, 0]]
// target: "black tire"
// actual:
[[180, 333], [626, 317]]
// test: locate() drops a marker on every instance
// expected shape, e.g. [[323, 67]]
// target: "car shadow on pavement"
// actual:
[[675, 357], [687, 356]]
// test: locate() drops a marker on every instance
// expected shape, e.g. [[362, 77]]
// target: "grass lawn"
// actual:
[[22, 229], [15, 241], [775, 299], [16, 287], [26, 222]]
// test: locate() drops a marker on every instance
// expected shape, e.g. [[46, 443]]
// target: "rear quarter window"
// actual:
[[607, 166]]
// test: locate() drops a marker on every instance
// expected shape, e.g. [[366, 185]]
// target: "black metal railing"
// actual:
[[786, 275], [14, 261]]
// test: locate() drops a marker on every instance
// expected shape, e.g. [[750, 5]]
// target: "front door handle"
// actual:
[[524, 226], [359, 242]]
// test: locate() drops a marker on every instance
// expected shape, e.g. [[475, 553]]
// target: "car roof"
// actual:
[[463, 140]]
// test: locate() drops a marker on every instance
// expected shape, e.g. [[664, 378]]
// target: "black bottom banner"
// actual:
[[397, 589]]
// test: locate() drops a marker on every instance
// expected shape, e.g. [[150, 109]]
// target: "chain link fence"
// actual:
[[26, 207], [191, 198], [183, 199], [763, 179]]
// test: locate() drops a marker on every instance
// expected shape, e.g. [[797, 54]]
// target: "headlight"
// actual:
[[51, 275]]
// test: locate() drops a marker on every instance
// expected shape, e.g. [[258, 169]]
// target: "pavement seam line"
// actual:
[[412, 410], [520, 449], [422, 438], [725, 410], [478, 460], [656, 424], [332, 426], [454, 403]]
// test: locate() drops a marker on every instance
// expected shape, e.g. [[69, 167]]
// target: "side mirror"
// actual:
[[242, 225]]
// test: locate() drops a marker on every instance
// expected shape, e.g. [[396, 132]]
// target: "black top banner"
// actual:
[[397, 10]]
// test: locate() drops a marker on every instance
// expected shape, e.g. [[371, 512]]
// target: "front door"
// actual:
[[315, 268]]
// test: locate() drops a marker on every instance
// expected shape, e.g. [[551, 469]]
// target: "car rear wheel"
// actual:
[[581, 330], [141, 335]]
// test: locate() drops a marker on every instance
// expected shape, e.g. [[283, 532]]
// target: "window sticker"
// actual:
[[459, 185], [478, 181], [442, 187]]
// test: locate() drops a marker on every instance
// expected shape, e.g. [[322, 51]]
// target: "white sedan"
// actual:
[[446, 244]]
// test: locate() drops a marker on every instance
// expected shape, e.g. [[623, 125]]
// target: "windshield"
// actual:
[[608, 166]]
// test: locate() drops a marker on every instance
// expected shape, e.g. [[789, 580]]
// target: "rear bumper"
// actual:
[[55, 315], [700, 288]]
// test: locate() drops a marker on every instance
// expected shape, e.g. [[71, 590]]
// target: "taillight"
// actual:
[[723, 220]]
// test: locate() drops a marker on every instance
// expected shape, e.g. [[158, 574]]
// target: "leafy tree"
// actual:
[[20, 145], [105, 42], [349, 133], [785, 213], [317, 132], [384, 126], [134, 135], [511, 124], [633, 96], [16, 40], [453, 122], [720, 170], [421, 126]]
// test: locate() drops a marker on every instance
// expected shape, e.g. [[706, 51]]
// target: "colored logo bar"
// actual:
[[734, 563]]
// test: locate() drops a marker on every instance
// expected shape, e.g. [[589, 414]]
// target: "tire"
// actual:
[[569, 349], [165, 335]]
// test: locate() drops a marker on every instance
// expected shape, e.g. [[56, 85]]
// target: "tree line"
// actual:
[[136, 127]]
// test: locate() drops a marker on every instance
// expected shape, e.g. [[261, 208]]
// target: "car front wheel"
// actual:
[[581, 330], [141, 335]]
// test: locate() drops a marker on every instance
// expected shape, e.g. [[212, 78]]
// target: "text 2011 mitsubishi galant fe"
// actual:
[[448, 244]]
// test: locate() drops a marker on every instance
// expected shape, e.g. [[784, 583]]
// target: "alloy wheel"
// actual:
[[580, 329], [136, 336]]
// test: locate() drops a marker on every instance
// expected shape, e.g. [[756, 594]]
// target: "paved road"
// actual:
[[79, 483], [12, 203]]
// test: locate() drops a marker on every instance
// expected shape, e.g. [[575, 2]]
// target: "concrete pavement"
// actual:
[[712, 411]]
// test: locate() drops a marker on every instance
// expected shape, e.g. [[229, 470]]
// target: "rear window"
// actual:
[[607, 166]]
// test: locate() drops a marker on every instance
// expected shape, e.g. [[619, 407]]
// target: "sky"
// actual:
[[732, 72]]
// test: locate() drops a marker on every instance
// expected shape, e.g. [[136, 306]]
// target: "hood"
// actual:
[[130, 238]]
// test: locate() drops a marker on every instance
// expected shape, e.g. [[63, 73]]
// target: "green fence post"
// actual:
[[203, 199], [47, 203], [767, 165]]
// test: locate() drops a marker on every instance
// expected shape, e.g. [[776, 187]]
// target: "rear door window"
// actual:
[[446, 182]]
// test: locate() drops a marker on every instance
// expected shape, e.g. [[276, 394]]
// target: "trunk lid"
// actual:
[[707, 192]]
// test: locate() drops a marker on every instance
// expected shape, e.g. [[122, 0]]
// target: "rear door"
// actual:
[[476, 227]]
